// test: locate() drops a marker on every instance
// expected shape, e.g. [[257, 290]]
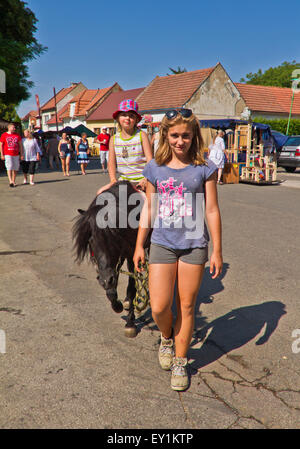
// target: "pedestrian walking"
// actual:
[[32, 155], [185, 188], [129, 149], [52, 152], [64, 149], [104, 139], [82, 151], [217, 153], [11, 151]]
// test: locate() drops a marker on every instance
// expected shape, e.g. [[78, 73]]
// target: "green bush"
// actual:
[[281, 125]]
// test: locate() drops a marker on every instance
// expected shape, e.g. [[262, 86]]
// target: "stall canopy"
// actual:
[[77, 131], [83, 129], [279, 138], [230, 124]]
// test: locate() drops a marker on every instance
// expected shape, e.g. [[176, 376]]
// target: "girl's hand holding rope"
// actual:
[[139, 259]]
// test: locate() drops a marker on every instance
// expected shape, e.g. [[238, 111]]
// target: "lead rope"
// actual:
[[141, 300]]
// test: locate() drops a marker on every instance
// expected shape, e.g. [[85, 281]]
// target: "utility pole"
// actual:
[[295, 82], [288, 125], [55, 108]]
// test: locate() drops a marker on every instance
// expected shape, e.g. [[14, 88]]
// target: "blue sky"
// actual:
[[101, 42]]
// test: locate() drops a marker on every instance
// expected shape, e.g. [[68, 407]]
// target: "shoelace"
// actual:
[[179, 370], [166, 349]]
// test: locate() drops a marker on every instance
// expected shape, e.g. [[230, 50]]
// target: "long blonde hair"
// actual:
[[163, 154]]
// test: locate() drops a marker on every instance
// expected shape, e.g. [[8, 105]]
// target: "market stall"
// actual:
[[250, 151]]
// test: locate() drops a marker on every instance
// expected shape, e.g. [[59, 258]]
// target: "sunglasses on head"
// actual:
[[186, 113]]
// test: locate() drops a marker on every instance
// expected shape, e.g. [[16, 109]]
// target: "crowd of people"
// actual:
[[27, 152], [172, 166]]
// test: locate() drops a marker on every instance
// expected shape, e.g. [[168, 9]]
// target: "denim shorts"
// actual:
[[163, 255]]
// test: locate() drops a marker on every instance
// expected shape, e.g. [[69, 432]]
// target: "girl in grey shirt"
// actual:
[[181, 191]]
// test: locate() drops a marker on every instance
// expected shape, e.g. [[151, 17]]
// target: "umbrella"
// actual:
[[70, 131], [83, 129]]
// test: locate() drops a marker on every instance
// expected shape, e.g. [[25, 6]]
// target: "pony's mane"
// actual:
[[85, 226]]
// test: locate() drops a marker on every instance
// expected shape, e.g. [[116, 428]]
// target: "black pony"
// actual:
[[107, 232]]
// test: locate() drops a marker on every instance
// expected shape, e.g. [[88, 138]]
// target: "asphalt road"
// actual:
[[65, 361]]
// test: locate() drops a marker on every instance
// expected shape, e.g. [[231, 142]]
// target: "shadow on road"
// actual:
[[234, 330], [49, 181]]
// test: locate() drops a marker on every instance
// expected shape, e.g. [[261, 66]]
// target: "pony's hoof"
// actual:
[[130, 332], [117, 306], [126, 304]]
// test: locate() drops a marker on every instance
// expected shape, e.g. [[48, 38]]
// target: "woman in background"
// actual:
[[82, 150], [32, 155], [217, 153], [64, 149]]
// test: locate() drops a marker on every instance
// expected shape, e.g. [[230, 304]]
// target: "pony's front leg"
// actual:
[[130, 327]]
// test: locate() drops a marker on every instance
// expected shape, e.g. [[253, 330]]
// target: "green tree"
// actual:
[[176, 72], [18, 46], [280, 76]]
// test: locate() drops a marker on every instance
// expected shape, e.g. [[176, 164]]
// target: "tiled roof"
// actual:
[[59, 96], [29, 114], [106, 109], [171, 91], [269, 98], [85, 100]]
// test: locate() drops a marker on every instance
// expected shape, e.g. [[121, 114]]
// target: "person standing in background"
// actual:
[[154, 142], [64, 149], [82, 151], [217, 153], [52, 151], [32, 154], [103, 138], [11, 151]]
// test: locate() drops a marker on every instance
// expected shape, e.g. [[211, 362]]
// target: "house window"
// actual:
[[46, 118]]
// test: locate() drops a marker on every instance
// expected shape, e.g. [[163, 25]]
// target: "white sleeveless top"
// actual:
[[130, 157]]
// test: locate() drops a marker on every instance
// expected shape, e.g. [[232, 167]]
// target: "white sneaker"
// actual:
[[179, 379], [166, 352]]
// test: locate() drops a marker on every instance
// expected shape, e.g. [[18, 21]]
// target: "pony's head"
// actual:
[[105, 258]]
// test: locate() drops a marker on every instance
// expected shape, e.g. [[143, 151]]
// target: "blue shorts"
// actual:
[[64, 154]]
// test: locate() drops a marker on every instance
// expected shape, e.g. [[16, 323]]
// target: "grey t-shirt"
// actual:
[[179, 222]]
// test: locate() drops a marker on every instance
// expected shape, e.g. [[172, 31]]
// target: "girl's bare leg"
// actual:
[[63, 166], [188, 284], [161, 288], [68, 165], [220, 170]]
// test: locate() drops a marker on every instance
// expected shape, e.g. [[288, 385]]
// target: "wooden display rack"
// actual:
[[259, 169], [230, 173]]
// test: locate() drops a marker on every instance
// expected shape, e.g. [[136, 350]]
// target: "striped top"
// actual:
[[130, 157]]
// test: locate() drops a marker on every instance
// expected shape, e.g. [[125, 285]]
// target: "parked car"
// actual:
[[289, 156]]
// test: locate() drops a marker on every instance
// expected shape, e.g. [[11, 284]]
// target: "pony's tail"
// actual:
[[81, 233]]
